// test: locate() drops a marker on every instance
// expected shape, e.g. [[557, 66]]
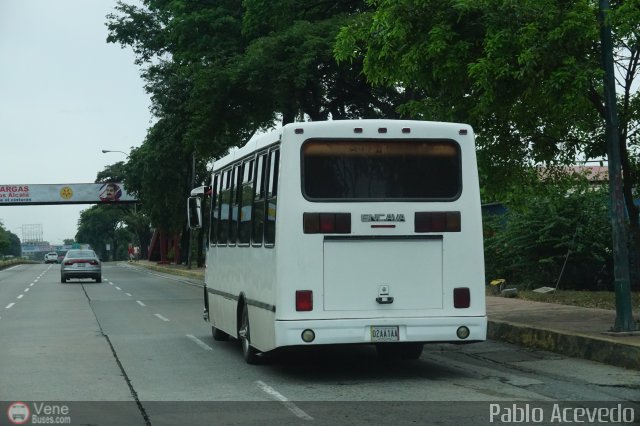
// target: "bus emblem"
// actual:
[[382, 217]]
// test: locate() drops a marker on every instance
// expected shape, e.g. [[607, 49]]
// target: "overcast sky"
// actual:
[[65, 94]]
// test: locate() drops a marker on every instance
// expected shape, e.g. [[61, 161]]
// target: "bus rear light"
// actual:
[[326, 223], [304, 300], [437, 222], [461, 297]]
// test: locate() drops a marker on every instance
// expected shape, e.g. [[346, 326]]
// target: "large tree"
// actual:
[[229, 68], [527, 75], [218, 71]]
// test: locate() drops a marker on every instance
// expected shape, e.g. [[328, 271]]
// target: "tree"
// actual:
[[527, 75], [4, 240], [232, 67], [97, 226], [217, 74], [556, 231]]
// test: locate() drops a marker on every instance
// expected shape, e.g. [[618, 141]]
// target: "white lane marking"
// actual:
[[161, 317], [36, 280], [288, 404], [26, 290], [9, 305], [118, 288], [31, 285], [13, 267], [110, 283], [199, 342], [20, 296], [140, 303], [128, 294]]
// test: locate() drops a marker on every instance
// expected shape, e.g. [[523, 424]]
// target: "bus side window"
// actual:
[[235, 207], [246, 202], [271, 197], [258, 200], [224, 199], [215, 214]]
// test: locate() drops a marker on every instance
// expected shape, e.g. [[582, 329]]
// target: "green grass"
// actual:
[[587, 299], [7, 263]]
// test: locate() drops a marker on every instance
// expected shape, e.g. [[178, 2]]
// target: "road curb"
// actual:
[[574, 345], [196, 275]]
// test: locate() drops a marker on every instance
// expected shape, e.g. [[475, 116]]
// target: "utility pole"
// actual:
[[624, 318]]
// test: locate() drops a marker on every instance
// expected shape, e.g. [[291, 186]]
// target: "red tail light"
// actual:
[[437, 222], [326, 223], [461, 297], [94, 262], [304, 300]]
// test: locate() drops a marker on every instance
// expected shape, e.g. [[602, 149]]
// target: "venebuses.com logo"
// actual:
[[18, 413]]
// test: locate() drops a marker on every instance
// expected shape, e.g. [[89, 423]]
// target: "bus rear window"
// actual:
[[365, 169]]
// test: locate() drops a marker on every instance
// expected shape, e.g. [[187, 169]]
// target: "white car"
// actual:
[[51, 257]]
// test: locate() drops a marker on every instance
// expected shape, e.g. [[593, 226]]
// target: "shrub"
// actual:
[[559, 228]]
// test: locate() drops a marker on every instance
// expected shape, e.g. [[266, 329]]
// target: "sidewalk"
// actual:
[[569, 330]]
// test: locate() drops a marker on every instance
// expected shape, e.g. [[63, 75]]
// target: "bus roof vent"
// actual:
[[357, 130], [299, 131], [406, 130], [462, 132], [382, 130]]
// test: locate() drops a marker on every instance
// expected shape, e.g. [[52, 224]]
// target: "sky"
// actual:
[[65, 95]]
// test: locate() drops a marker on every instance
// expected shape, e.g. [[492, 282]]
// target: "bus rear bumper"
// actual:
[[354, 331]]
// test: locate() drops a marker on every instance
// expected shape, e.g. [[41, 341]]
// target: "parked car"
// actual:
[[51, 257], [81, 264]]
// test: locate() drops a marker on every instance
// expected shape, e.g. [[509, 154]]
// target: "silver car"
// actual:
[[81, 264]]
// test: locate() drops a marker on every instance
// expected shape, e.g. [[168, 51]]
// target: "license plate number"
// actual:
[[79, 265], [385, 333]]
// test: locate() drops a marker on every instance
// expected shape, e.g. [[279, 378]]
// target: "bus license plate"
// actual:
[[385, 333]]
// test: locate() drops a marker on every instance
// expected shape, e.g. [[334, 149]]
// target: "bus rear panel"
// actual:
[[370, 232]]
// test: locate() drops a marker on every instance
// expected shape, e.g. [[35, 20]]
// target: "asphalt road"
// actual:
[[134, 350]]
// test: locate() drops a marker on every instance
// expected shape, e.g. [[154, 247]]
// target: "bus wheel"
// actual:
[[249, 353], [218, 334]]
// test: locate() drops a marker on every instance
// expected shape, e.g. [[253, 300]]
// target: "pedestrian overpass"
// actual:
[[66, 193]]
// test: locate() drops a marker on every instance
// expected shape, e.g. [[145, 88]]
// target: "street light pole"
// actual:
[[104, 151], [624, 318]]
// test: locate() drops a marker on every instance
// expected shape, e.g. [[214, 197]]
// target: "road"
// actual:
[[134, 350]]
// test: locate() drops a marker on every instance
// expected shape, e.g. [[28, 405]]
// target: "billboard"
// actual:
[[64, 193]]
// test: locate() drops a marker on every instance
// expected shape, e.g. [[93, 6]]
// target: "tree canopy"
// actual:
[[526, 75]]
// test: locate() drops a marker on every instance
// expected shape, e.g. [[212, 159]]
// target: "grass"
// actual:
[[11, 262], [587, 299]]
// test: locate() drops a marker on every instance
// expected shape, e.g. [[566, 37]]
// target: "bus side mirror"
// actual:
[[194, 212]]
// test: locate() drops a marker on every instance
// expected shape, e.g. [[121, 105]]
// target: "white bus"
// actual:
[[347, 232]]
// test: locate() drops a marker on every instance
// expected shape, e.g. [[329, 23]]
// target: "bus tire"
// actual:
[[249, 353], [219, 335]]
